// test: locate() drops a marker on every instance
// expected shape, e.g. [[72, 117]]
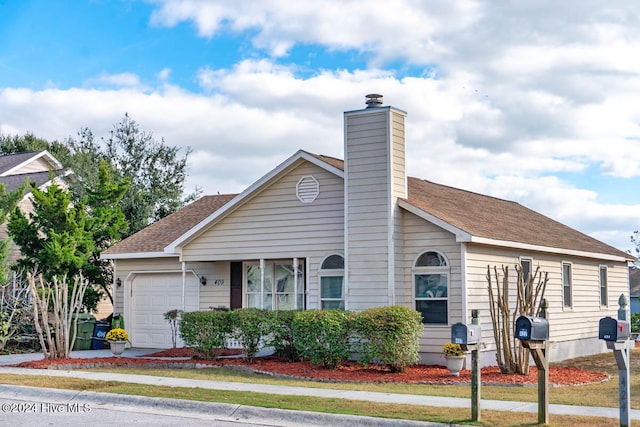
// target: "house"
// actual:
[[320, 232], [35, 167]]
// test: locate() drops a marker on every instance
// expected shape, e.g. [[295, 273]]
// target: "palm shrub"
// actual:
[[250, 325], [206, 331], [281, 338], [322, 336], [389, 335]]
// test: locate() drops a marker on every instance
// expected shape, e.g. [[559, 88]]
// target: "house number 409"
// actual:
[[218, 282]]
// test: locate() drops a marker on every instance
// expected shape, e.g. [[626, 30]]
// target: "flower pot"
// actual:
[[117, 347], [454, 364]]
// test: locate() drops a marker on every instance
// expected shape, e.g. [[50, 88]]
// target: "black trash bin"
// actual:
[[98, 342]]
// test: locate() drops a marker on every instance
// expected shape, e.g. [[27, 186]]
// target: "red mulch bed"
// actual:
[[350, 371]]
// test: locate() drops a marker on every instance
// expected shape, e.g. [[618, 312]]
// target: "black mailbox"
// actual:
[[611, 329], [532, 328], [465, 334]]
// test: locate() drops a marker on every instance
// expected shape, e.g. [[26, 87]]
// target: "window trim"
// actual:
[[604, 268], [566, 306], [331, 272], [443, 270]]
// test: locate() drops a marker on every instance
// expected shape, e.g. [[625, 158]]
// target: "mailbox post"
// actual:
[[616, 333], [469, 338], [533, 333]]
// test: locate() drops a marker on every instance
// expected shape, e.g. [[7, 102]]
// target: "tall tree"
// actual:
[[156, 171]]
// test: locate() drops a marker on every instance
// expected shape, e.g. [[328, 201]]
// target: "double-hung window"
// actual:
[[431, 281], [332, 282], [603, 287], [566, 285]]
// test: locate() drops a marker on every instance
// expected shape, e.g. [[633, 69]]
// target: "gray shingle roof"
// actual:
[[155, 237]]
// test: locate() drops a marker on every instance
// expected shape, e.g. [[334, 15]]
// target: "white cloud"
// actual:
[[513, 96], [114, 80]]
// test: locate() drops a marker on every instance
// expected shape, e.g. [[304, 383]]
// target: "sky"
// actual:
[[535, 102]]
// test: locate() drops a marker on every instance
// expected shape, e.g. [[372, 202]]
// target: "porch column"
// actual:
[[184, 284], [261, 283], [295, 283]]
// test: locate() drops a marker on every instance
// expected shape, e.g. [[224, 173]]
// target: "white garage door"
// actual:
[[152, 295]]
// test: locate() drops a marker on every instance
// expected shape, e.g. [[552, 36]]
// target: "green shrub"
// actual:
[[635, 323], [322, 336], [389, 335], [281, 338], [250, 325], [206, 331]]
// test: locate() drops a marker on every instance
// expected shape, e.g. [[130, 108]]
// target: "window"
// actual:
[[604, 298], [332, 282], [280, 290], [525, 263], [566, 285], [431, 276]]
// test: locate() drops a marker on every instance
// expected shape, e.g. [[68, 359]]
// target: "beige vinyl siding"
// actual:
[[421, 236], [274, 224], [211, 295], [565, 324], [398, 155], [374, 177]]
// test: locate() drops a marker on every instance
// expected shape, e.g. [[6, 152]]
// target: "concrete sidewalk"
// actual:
[[497, 405]]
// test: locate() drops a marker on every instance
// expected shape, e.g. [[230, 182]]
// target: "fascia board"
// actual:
[[138, 255], [548, 249]]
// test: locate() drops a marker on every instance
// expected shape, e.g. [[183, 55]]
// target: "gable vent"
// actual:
[[307, 189]]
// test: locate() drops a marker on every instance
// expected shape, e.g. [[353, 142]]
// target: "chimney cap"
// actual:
[[373, 100]]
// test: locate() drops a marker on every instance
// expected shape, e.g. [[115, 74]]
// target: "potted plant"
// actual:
[[117, 338], [455, 357]]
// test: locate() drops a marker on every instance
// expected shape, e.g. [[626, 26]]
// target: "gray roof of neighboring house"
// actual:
[[476, 214], [12, 182], [10, 161]]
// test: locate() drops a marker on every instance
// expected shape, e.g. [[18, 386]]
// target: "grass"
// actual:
[[604, 394]]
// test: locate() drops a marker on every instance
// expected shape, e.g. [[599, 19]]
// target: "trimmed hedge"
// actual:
[[322, 336], [390, 335], [250, 325], [206, 331], [282, 336]]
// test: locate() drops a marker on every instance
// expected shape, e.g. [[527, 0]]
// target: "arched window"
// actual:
[[332, 282], [431, 278]]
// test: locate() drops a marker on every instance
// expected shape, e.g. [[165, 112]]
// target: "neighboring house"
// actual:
[[319, 232], [634, 289], [34, 166]]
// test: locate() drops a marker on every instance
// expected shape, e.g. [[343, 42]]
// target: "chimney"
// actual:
[[374, 179]]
